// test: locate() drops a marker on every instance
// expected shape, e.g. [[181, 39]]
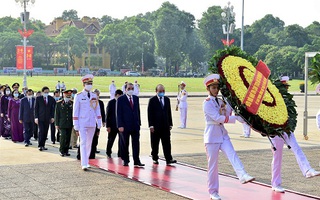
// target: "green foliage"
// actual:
[[70, 15], [77, 42], [314, 72]]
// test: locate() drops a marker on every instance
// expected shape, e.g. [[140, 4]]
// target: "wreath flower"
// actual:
[[276, 113]]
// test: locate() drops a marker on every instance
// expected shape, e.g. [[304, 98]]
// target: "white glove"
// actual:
[[240, 119]]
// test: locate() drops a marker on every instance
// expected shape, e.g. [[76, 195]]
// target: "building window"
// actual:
[[93, 49]]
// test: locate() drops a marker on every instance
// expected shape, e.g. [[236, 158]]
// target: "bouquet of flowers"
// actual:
[[244, 83]]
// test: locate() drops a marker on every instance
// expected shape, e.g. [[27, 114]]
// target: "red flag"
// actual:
[[19, 57]]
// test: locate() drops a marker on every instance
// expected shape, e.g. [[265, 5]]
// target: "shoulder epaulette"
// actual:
[[208, 98], [79, 92], [59, 101]]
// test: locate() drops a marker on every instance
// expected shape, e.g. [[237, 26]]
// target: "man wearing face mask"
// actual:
[[26, 116], [56, 96], [63, 121], [74, 136], [86, 116], [129, 122], [44, 115], [160, 124]]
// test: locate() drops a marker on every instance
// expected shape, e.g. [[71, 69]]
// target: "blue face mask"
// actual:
[[56, 98], [72, 95], [45, 94], [161, 94]]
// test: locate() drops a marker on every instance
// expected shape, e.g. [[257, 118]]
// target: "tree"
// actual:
[[44, 47], [106, 19], [77, 43], [293, 35], [211, 32], [8, 42], [70, 15], [171, 27]]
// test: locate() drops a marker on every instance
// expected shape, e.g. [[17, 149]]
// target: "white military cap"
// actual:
[[87, 78], [211, 79], [284, 79]]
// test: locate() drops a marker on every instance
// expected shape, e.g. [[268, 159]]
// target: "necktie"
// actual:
[[161, 102], [45, 100], [131, 103], [217, 101], [30, 103], [89, 95]]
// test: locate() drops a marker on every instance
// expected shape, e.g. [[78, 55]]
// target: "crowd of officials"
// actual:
[[69, 114]]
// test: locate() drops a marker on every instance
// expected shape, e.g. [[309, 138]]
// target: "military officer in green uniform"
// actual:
[[63, 121]]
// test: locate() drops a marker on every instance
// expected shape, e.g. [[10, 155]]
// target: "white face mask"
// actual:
[[15, 94], [66, 99], [30, 96], [45, 94], [7, 92], [130, 92], [88, 87]]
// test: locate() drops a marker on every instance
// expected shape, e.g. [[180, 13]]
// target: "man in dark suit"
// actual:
[[111, 124], [26, 116], [128, 123], [160, 124], [44, 115]]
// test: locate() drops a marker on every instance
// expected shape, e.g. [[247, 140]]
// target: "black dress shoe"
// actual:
[[61, 154], [40, 148], [67, 154], [43, 148], [155, 162], [26, 144], [70, 147], [29, 143], [53, 142], [108, 155], [139, 164], [171, 162], [125, 164], [97, 151]]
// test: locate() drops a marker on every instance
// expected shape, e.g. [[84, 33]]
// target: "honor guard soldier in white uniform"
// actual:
[[291, 141], [86, 116], [112, 90], [216, 136], [183, 105]]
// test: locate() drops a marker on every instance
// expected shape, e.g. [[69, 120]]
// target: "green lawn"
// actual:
[[147, 84]]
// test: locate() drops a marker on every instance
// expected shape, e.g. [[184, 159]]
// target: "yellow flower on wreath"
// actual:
[[276, 114]]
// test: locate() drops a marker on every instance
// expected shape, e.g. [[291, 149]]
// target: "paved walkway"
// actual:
[[26, 173]]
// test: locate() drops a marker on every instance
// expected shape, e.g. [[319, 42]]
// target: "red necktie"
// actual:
[[131, 103]]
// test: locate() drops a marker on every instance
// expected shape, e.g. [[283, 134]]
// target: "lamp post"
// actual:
[[228, 16], [242, 25], [24, 19]]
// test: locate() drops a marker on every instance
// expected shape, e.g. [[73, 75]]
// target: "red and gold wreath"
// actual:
[[239, 75]]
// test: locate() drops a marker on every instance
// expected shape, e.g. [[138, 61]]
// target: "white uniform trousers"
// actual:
[[277, 158], [246, 130], [86, 136], [183, 117], [212, 150]]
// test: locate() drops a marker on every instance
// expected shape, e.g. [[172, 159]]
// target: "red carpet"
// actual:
[[191, 182]]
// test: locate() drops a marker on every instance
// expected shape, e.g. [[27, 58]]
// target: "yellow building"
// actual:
[[91, 27]]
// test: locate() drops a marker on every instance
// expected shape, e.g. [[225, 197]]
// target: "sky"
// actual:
[[290, 11]]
